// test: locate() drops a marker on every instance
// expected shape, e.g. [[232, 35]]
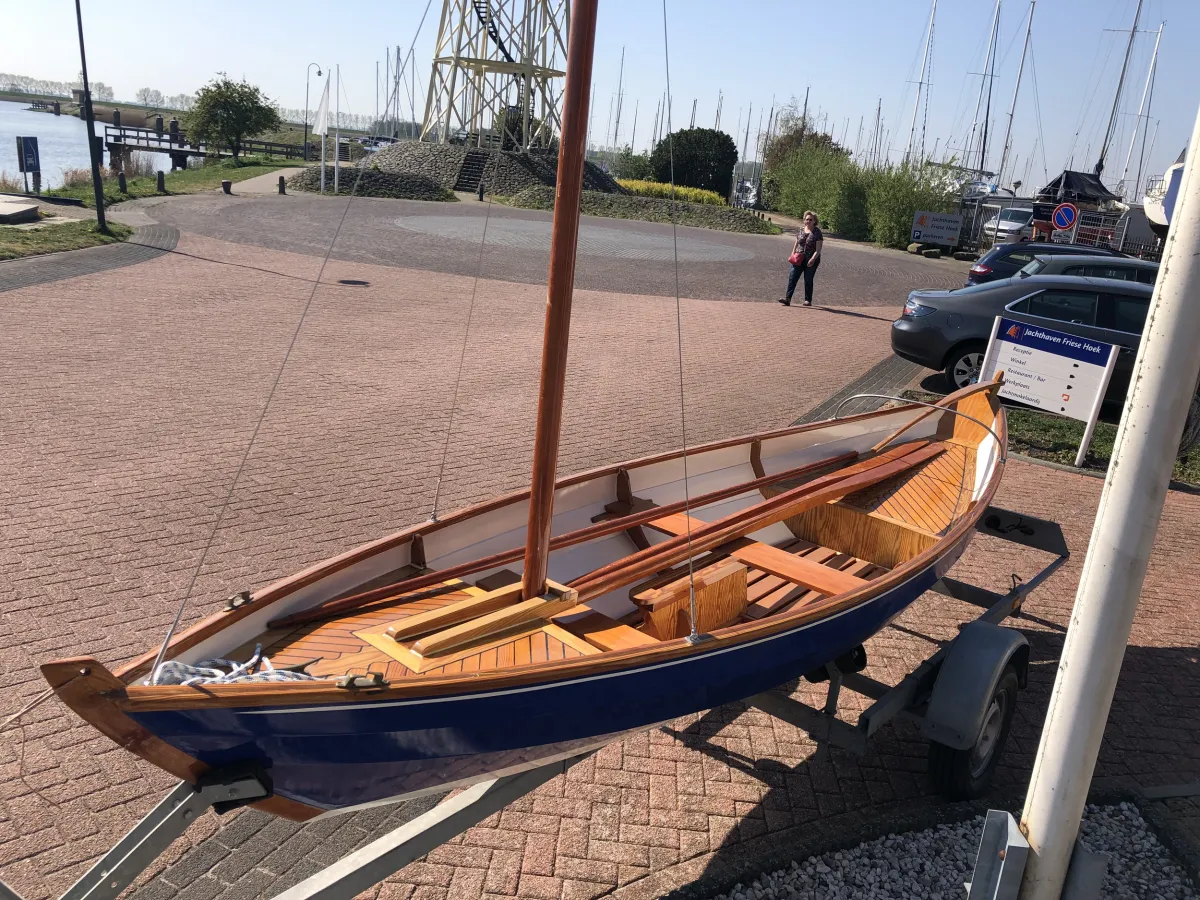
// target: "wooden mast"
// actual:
[[561, 284]]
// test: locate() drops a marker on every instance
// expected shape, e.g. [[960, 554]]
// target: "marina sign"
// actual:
[[936, 228], [1061, 373]]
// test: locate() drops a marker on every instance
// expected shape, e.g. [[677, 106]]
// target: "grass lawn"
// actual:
[[17, 242], [184, 181], [1055, 439]]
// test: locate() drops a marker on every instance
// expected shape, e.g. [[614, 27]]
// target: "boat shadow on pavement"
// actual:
[[833, 800]]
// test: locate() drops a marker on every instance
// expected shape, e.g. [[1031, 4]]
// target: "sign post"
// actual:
[[28, 160], [936, 228], [1051, 370]]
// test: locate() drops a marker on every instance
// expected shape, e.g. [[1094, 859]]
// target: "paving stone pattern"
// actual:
[[130, 411], [146, 243], [132, 394], [851, 275], [888, 377], [594, 239]]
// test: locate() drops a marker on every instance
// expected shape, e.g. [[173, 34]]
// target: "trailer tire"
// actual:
[[965, 774]]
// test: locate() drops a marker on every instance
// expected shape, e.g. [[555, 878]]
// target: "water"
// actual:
[[62, 141]]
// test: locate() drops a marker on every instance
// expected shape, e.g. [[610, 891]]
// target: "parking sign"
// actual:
[[27, 155]]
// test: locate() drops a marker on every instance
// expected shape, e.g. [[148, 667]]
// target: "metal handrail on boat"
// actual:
[[999, 443], [988, 428]]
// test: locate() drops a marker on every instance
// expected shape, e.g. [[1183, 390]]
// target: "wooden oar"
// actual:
[[822, 490], [394, 592]]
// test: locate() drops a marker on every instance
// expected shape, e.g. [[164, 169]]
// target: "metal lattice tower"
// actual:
[[496, 73]]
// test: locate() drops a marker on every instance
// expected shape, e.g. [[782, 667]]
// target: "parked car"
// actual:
[[1005, 260], [949, 330], [1016, 221], [1122, 269]]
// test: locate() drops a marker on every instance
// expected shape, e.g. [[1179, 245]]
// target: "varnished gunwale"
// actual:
[[284, 587], [145, 699]]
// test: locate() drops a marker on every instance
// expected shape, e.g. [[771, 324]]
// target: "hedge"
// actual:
[[663, 191], [852, 201]]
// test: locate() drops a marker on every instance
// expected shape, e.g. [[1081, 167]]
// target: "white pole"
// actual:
[[337, 122], [917, 103], [987, 59], [323, 158], [1141, 109], [1163, 382], [1012, 109]]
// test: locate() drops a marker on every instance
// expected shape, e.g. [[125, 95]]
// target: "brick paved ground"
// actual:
[[130, 401], [850, 275]]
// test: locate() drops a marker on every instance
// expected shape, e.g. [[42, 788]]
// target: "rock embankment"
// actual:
[[439, 163], [503, 173], [372, 182], [652, 209]]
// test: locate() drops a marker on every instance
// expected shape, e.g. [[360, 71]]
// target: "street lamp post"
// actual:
[[307, 75], [97, 185]]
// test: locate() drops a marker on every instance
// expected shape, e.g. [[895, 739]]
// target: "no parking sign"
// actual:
[[1064, 216]]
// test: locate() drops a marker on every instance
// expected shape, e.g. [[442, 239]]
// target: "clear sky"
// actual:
[[850, 53]]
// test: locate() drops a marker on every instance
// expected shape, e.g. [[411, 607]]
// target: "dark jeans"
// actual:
[[808, 272]]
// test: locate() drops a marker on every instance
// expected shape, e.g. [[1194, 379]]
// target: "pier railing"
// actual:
[[177, 142]]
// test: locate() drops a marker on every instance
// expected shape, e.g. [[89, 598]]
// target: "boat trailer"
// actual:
[[964, 716]]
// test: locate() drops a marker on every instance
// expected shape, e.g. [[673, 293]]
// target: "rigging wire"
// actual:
[[462, 358], [693, 637], [1037, 105], [162, 651]]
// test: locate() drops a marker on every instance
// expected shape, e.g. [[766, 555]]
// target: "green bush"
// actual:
[[852, 201], [635, 166], [703, 158], [894, 195], [658, 189]]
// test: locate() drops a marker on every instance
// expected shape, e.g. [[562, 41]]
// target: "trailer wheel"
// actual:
[[965, 774]]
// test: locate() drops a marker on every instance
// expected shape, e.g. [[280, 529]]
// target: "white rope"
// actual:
[[693, 636], [28, 707]]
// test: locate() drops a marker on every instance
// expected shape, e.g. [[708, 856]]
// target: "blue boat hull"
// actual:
[[347, 754]]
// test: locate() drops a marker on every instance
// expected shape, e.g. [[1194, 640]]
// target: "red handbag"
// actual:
[[797, 258]]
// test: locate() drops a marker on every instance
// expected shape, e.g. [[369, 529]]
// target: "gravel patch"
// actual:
[[440, 163], [507, 174], [503, 173], [935, 863], [652, 209]]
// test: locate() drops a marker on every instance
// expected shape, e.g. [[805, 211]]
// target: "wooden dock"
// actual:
[[123, 137]]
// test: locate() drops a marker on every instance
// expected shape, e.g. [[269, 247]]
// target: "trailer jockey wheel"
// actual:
[[966, 774]]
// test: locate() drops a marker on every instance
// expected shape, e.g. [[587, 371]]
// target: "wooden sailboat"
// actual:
[[443, 654]]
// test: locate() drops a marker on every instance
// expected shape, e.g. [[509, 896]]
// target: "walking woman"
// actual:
[[805, 259]]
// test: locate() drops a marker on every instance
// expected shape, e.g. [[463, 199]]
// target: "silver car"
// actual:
[[1119, 268], [1011, 223]]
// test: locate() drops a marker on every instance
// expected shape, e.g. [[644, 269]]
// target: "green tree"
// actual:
[[228, 112], [703, 158], [635, 166]]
